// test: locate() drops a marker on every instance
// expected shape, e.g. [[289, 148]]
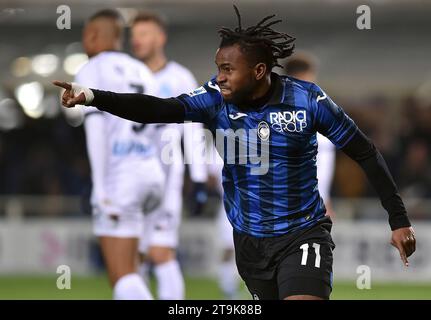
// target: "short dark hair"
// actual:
[[107, 13], [114, 16], [260, 42], [148, 16], [300, 63]]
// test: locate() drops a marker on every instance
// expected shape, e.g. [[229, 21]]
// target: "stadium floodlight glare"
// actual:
[[21, 67], [29, 96], [74, 62], [44, 64]]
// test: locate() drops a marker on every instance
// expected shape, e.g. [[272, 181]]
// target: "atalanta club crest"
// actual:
[[263, 131]]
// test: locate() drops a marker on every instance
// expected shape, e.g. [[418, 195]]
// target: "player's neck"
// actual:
[[156, 63], [262, 89], [261, 95], [107, 48]]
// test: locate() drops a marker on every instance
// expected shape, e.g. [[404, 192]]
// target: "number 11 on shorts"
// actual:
[[304, 249]]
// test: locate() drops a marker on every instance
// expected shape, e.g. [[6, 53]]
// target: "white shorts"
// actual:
[[162, 226], [133, 192]]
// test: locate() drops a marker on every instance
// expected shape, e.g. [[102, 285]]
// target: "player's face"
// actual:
[[147, 39], [89, 40], [236, 78]]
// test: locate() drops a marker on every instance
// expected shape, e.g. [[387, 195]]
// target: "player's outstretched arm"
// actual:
[[136, 107], [363, 151]]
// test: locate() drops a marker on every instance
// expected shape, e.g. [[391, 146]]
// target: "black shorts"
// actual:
[[297, 263]]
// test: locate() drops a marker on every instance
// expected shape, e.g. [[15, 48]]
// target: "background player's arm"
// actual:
[[332, 122], [194, 146], [95, 135], [198, 171]]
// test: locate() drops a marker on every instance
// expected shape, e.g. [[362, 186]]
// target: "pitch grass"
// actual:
[[97, 287]]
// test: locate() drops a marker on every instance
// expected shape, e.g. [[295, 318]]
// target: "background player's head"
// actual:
[[148, 36], [302, 66], [103, 32], [246, 56]]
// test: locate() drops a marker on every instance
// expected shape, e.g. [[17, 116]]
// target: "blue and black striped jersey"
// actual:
[[279, 194]]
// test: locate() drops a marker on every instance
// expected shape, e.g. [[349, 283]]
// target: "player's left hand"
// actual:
[[404, 240]]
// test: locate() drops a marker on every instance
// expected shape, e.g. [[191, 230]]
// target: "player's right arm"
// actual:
[[199, 106]]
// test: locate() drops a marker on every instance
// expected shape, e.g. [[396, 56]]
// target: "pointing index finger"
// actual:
[[61, 84]]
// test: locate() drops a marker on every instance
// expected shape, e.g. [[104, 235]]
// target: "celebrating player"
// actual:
[[282, 238]]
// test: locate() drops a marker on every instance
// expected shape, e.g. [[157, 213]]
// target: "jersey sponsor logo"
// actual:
[[197, 92], [127, 148], [288, 121], [237, 115], [263, 131]]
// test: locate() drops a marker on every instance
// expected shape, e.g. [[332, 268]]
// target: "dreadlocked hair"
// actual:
[[260, 42]]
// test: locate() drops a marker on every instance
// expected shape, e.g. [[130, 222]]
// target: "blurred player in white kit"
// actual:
[[126, 173], [160, 237]]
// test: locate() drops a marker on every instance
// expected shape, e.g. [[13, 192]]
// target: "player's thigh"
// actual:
[[119, 255], [307, 270]]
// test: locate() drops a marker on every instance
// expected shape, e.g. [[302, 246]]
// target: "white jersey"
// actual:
[[120, 151], [126, 140], [174, 80]]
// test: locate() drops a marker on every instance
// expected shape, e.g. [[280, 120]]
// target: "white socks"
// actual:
[[170, 282], [131, 287], [228, 279]]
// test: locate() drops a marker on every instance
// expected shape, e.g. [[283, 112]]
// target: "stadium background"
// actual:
[[382, 77]]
